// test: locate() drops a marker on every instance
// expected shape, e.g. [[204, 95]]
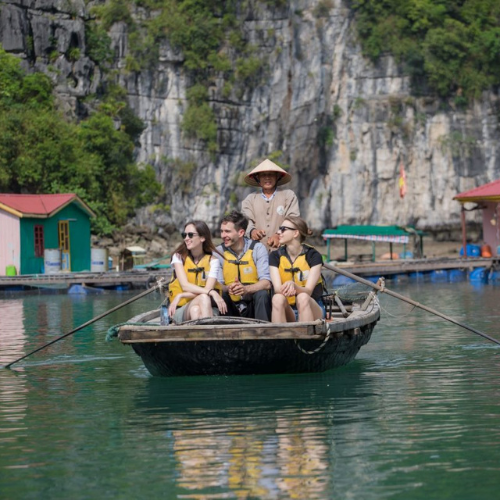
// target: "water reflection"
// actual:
[[414, 416], [12, 335], [12, 347], [259, 437]]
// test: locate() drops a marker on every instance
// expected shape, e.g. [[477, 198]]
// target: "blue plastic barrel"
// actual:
[[479, 275], [494, 277], [472, 250], [83, 290], [457, 275], [439, 276], [406, 255], [416, 276], [342, 280]]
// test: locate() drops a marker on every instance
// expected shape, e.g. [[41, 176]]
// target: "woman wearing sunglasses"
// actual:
[[296, 275], [194, 280]]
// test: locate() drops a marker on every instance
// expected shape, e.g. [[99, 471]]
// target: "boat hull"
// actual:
[[220, 347], [252, 357]]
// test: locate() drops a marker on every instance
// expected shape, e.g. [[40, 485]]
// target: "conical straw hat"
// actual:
[[268, 166]]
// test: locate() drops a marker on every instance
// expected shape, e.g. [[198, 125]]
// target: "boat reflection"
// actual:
[[254, 437]]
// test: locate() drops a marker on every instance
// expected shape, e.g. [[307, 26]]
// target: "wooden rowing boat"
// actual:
[[237, 346]]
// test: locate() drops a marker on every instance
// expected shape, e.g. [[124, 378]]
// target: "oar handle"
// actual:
[[408, 300], [93, 320]]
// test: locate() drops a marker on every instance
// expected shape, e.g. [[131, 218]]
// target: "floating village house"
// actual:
[[487, 198], [32, 225], [132, 257]]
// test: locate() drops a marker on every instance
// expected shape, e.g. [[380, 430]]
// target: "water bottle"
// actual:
[[164, 317]]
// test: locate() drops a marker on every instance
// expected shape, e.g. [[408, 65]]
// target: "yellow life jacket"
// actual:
[[196, 274], [241, 268], [297, 271]]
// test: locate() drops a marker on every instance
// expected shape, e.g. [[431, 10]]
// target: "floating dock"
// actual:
[[145, 278], [444, 269], [62, 281], [401, 266]]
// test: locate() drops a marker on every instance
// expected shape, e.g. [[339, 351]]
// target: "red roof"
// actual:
[[486, 192], [39, 205]]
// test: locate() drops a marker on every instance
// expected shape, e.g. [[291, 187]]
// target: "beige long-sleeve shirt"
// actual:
[[269, 214]]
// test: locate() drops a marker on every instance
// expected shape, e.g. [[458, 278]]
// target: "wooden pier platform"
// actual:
[[144, 278], [136, 279], [403, 266]]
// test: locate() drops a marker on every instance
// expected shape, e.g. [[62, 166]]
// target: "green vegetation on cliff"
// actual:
[[450, 47], [207, 34], [41, 152]]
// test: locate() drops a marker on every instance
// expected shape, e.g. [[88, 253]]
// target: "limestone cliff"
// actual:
[[344, 125]]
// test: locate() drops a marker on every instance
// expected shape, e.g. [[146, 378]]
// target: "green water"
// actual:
[[416, 415]]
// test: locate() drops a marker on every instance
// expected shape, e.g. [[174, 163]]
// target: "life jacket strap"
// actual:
[[239, 262]]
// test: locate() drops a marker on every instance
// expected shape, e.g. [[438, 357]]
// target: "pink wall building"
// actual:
[[487, 198], [10, 241]]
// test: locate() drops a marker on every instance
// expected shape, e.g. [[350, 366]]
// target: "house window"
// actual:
[[39, 246]]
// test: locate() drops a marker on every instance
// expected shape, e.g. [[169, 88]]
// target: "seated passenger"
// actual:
[[245, 270], [296, 275], [194, 279]]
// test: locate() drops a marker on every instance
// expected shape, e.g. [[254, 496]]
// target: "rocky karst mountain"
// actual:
[[343, 124]]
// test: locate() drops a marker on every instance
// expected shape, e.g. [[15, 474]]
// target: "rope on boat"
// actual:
[[386, 311], [326, 339], [377, 301], [350, 293]]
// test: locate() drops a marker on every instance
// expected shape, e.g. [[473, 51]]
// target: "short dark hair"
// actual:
[[237, 218]]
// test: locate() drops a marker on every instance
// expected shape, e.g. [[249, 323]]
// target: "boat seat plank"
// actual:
[[219, 332]]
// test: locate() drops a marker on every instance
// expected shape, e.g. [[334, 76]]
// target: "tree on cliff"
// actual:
[[451, 47], [43, 152]]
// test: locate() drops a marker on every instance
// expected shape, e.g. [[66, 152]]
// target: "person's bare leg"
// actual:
[[281, 312], [199, 307], [308, 308]]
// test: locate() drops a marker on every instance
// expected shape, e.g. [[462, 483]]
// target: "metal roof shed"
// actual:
[[487, 199], [389, 234]]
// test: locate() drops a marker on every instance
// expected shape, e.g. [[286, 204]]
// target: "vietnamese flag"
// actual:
[[402, 181]]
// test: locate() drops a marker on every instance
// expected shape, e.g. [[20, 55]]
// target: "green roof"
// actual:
[[373, 231]]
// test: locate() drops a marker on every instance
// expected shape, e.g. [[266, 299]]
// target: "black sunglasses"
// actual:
[[282, 229], [189, 235]]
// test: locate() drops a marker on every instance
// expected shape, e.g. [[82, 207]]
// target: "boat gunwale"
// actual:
[[315, 330]]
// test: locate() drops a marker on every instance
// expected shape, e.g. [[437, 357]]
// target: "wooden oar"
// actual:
[[93, 320], [406, 299]]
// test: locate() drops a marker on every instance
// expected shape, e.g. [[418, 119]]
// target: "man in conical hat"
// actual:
[[267, 209]]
